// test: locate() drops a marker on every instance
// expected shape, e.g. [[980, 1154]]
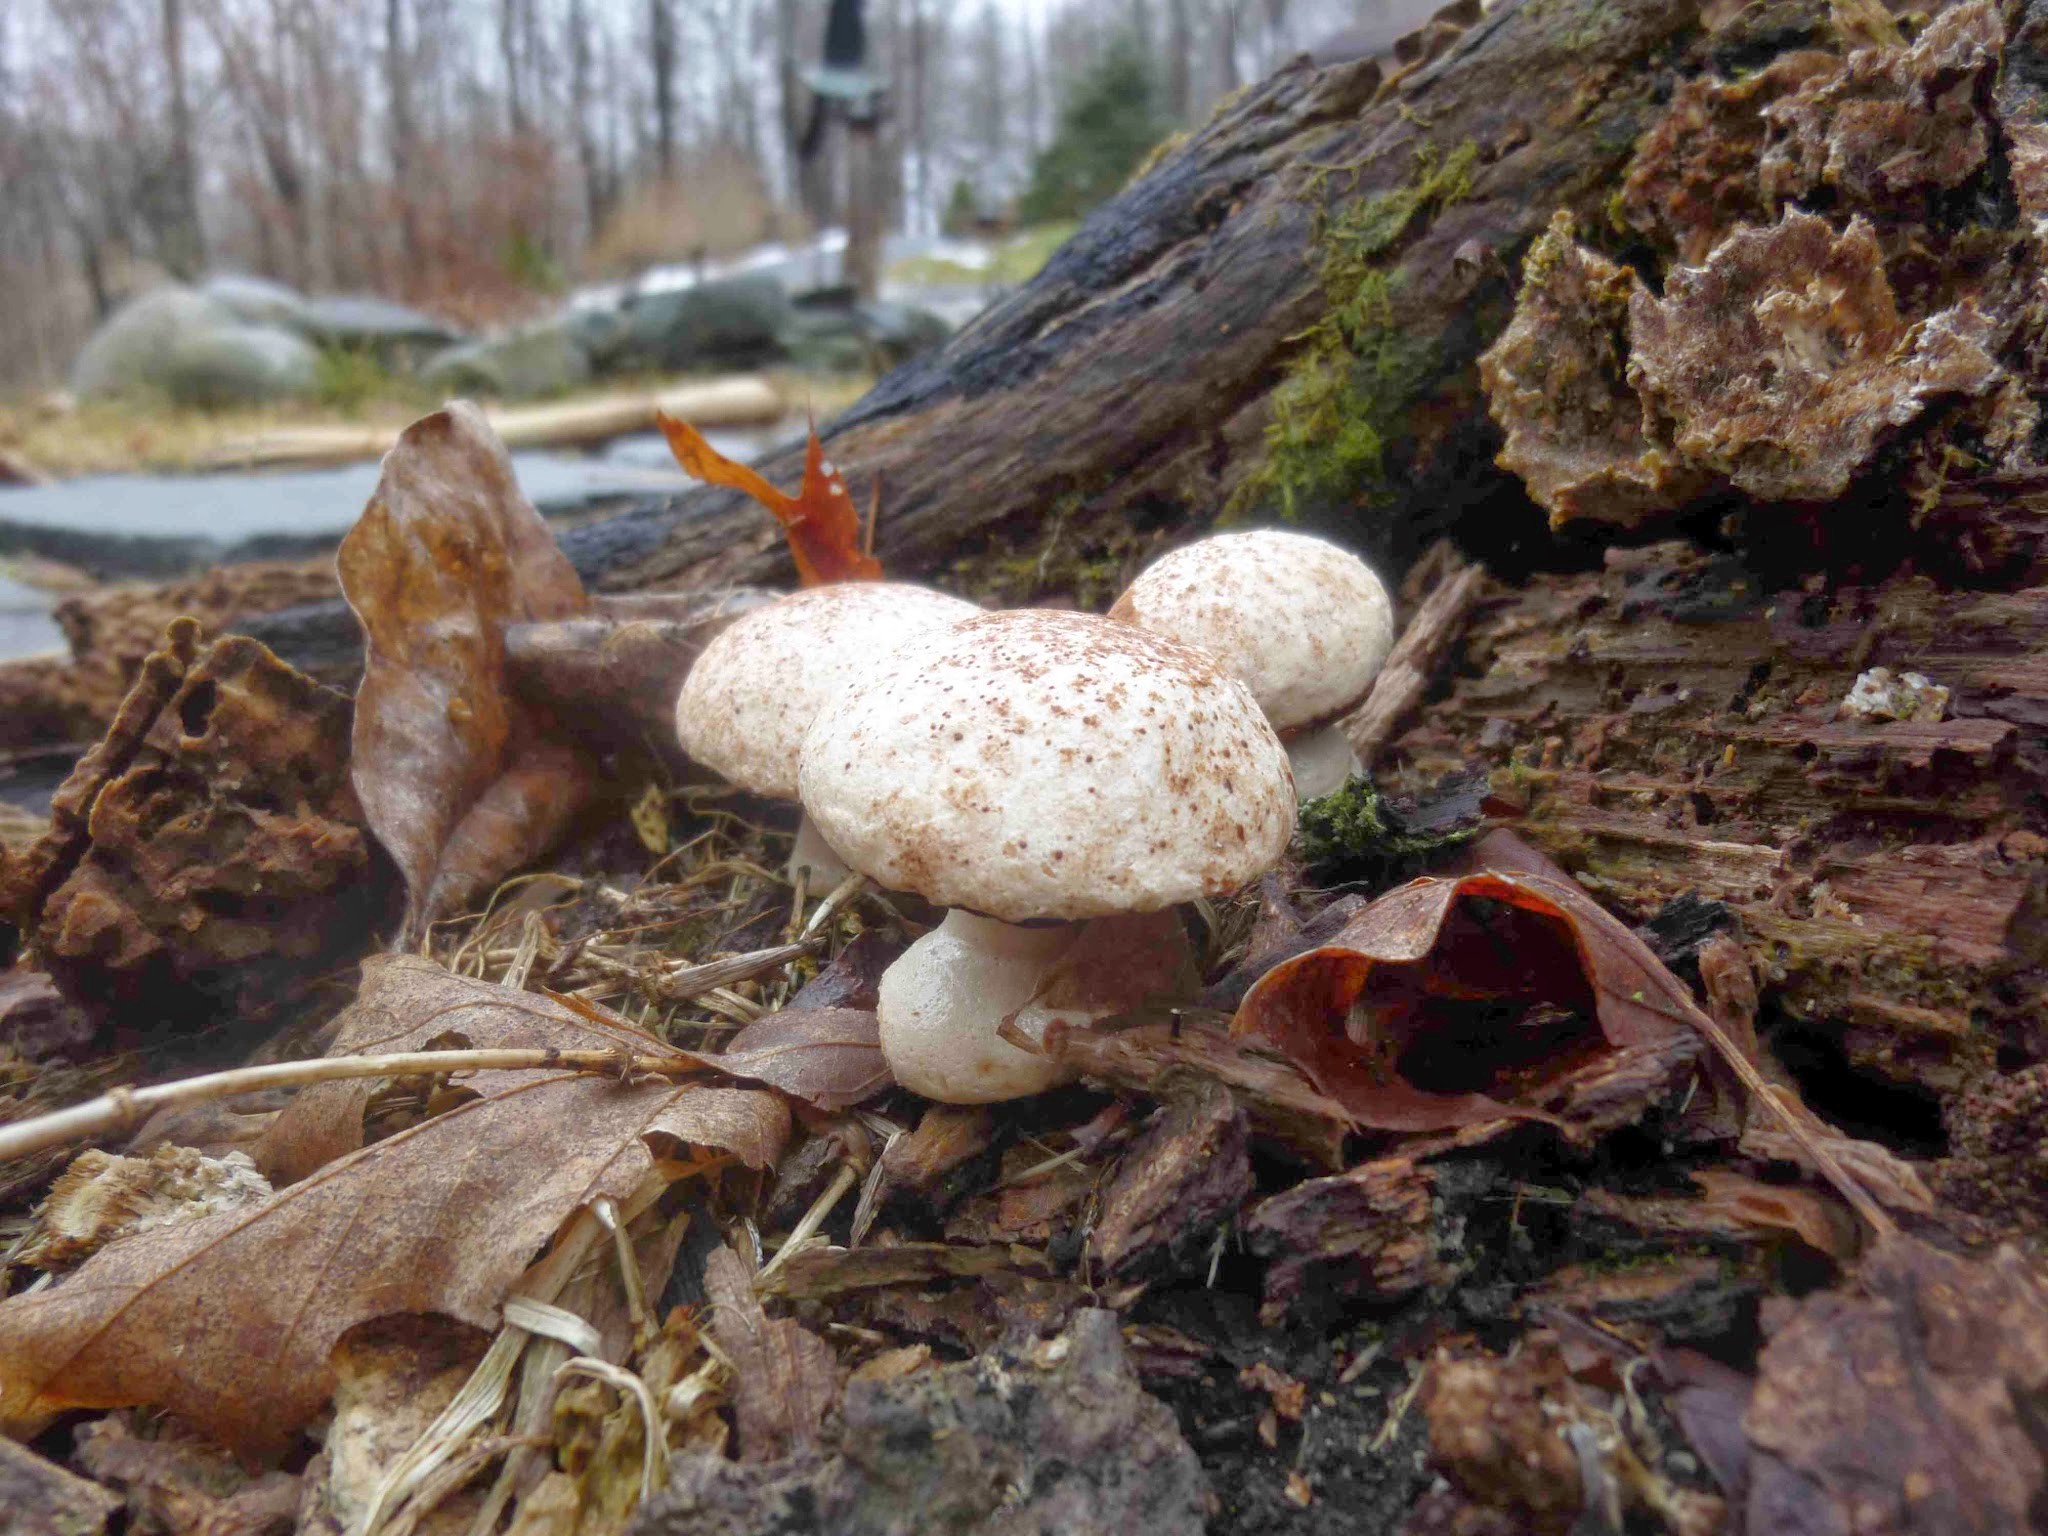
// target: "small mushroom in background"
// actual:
[[746, 703], [1306, 624], [1060, 782]]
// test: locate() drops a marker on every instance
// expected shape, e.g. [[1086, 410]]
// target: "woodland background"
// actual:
[[473, 156]]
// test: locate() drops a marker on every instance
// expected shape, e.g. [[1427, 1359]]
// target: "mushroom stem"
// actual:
[[825, 869], [943, 1000], [1322, 760]]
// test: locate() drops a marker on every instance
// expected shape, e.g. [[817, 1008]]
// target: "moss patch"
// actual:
[[1069, 555], [1333, 413]]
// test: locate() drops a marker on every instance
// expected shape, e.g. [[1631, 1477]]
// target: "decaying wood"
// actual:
[[1674, 725], [1133, 370], [1414, 660]]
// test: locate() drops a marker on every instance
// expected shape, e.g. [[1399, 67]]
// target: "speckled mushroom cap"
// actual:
[[1032, 764], [1307, 625], [751, 696]]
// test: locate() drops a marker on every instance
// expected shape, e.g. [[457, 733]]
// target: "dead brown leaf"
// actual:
[[229, 1320], [1453, 1002], [1909, 1403], [786, 1378], [409, 1003], [829, 1057], [446, 555]]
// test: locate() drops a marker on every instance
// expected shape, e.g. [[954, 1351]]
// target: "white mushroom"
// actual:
[[753, 693], [1030, 766], [1306, 624]]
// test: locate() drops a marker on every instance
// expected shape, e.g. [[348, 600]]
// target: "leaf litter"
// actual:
[[1394, 1130]]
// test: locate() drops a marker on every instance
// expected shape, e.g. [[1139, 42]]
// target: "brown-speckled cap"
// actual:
[[751, 696], [1050, 765], [1306, 624]]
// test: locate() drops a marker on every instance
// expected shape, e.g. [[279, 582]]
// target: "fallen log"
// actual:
[[1129, 387]]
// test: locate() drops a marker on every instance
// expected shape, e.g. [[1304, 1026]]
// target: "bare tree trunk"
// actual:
[[588, 162], [399, 128], [789, 101], [185, 245], [864, 206], [1180, 59], [920, 138], [509, 38], [661, 57]]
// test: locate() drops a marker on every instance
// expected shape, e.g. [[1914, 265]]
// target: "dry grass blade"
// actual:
[[681, 983]]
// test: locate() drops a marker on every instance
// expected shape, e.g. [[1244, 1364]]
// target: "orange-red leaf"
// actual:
[[820, 521], [1451, 1002]]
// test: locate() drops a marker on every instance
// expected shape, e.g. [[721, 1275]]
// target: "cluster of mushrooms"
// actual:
[[1059, 782]]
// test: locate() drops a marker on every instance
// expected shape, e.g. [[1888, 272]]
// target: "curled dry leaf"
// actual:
[[448, 553], [820, 521], [1453, 1002], [229, 1320]]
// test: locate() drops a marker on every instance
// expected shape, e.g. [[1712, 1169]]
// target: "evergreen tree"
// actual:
[[1106, 128]]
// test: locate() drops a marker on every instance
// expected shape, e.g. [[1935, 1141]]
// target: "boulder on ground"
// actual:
[[243, 365], [601, 333], [258, 300], [187, 347], [396, 333], [733, 323], [541, 360], [832, 331]]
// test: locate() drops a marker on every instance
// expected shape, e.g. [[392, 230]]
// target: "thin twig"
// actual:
[[123, 1109]]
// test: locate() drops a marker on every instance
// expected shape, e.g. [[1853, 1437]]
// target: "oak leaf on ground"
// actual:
[[229, 1320], [459, 780]]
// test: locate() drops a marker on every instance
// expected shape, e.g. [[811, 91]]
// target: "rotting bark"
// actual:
[[1127, 387], [1672, 726]]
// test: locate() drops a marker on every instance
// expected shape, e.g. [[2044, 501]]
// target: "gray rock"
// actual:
[[541, 360], [258, 300], [243, 365], [832, 332], [131, 354], [601, 333], [186, 347], [396, 333], [902, 331], [733, 323], [1046, 1438]]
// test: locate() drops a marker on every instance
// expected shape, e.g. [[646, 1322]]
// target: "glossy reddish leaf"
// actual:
[[445, 557], [1515, 972], [820, 521]]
